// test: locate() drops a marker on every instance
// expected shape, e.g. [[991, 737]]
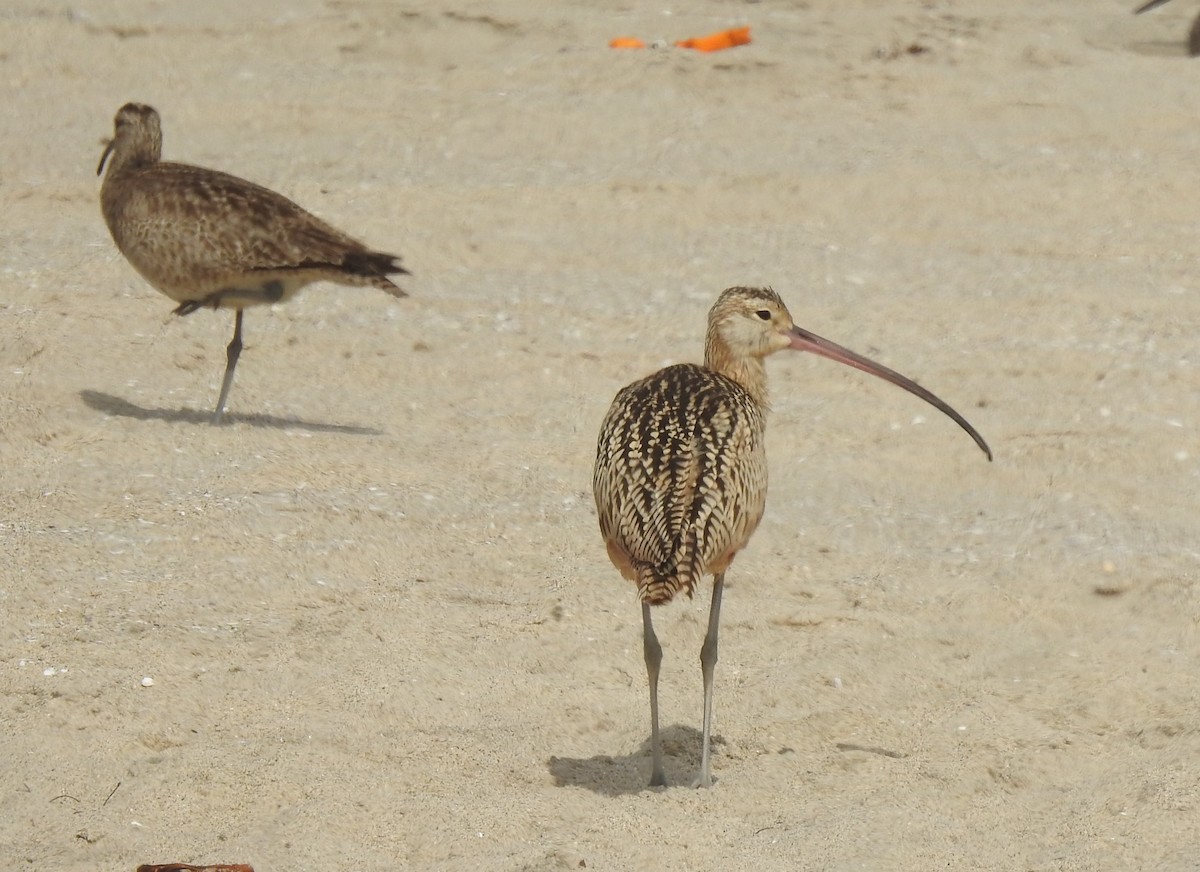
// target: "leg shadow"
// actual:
[[620, 776], [110, 405]]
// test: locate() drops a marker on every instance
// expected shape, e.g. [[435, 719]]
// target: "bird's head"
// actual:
[[750, 322], [137, 138]]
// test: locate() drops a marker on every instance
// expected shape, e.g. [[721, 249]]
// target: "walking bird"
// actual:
[[208, 239], [681, 473]]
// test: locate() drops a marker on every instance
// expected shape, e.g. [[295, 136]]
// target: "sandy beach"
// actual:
[[369, 624]]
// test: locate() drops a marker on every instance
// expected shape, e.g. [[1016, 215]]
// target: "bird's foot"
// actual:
[[190, 306]]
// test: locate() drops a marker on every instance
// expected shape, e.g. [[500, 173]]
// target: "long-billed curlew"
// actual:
[[206, 238], [681, 472], [1193, 34]]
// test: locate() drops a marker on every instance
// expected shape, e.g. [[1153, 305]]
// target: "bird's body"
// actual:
[[680, 479], [209, 239]]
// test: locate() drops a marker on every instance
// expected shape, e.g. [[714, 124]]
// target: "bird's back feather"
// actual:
[[680, 477]]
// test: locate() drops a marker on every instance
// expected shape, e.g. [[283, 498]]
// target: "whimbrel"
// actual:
[[1193, 34], [681, 473], [205, 238]]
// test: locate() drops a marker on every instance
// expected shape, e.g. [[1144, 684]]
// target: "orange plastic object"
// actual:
[[627, 42], [717, 41]]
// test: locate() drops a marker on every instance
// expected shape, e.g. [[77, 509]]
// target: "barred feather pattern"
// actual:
[[680, 479]]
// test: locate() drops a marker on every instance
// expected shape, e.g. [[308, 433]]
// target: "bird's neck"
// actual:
[[132, 156], [749, 372]]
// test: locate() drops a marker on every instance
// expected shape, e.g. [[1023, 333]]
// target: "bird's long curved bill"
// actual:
[[1153, 4], [107, 151], [803, 340]]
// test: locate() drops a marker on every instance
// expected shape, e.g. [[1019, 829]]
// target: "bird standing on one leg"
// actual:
[[681, 471], [206, 238]]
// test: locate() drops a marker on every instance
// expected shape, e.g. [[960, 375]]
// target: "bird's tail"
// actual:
[[376, 266], [658, 583]]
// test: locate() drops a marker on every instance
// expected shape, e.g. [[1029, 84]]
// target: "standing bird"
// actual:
[[681, 472], [206, 238], [1193, 34]]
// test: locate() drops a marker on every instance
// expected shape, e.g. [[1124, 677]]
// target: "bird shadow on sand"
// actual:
[[1161, 48], [111, 405], [630, 773]]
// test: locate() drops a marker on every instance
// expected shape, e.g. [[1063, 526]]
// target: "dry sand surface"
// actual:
[[380, 623]]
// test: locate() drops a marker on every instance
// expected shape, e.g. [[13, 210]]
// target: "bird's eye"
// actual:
[[765, 314]]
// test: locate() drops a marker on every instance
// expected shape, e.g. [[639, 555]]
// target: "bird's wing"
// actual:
[[232, 220]]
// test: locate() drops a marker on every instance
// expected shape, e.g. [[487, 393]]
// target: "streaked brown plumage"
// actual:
[[681, 472], [206, 238]]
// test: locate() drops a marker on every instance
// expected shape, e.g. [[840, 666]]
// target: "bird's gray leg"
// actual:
[[653, 652], [231, 358], [708, 665]]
